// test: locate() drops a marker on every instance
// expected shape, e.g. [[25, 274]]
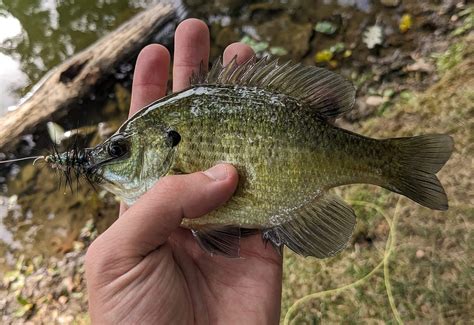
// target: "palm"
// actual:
[[201, 288], [214, 284]]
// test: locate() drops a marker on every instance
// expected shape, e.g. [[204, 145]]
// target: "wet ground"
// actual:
[[388, 50]]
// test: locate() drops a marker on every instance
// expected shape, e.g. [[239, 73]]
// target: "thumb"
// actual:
[[152, 219]]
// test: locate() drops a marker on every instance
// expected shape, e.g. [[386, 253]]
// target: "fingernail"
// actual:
[[217, 173]]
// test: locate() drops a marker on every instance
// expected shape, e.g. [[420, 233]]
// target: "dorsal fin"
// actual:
[[328, 93]]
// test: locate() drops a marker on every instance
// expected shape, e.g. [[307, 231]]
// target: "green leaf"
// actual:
[[277, 50], [255, 45], [337, 48], [325, 27], [21, 300]]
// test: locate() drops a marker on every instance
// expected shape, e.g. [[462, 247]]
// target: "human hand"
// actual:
[[145, 268]]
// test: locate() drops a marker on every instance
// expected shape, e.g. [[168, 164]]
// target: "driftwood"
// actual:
[[73, 79]]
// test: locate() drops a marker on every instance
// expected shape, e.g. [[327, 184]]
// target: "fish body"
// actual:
[[273, 123], [284, 154]]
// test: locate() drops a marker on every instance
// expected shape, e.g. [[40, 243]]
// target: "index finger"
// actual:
[[150, 81], [192, 48]]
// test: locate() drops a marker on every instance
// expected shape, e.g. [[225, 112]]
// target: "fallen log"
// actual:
[[74, 79]]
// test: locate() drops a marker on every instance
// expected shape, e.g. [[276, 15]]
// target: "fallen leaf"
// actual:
[[406, 23], [323, 56], [277, 50], [325, 27], [373, 36]]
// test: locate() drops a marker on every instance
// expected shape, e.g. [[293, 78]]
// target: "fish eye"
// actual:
[[117, 148], [174, 138]]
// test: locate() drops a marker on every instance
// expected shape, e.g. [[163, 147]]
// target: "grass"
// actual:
[[424, 274]]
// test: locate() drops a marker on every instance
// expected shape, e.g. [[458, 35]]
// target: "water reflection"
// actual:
[[9, 26], [11, 77], [36, 35]]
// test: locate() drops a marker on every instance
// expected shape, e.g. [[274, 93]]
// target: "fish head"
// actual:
[[126, 164], [131, 161]]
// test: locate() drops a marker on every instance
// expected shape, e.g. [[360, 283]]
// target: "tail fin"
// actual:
[[414, 167]]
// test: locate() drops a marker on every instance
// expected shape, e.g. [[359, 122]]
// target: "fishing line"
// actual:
[[36, 158]]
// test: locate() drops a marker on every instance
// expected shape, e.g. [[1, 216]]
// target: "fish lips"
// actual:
[[91, 162], [95, 159]]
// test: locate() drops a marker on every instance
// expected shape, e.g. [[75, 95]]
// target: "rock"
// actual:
[[374, 100], [361, 111], [420, 253], [62, 300], [66, 319]]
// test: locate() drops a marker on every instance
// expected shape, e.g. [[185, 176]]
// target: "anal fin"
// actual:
[[322, 228], [221, 240]]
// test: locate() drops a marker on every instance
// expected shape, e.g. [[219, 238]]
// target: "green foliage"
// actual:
[[450, 58], [263, 47], [468, 22]]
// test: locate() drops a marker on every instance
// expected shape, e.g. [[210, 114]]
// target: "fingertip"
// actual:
[[192, 46], [152, 57], [153, 52], [242, 51], [232, 177], [226, 175], [150, 78], [192, 27]]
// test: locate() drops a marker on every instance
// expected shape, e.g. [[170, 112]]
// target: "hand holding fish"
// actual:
[[145, 268]]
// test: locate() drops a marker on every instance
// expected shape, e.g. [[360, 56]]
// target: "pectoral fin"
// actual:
[[221, 240], [321, 228]]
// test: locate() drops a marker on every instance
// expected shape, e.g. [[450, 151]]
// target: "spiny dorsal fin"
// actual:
[[326, 92], [322, 228]]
